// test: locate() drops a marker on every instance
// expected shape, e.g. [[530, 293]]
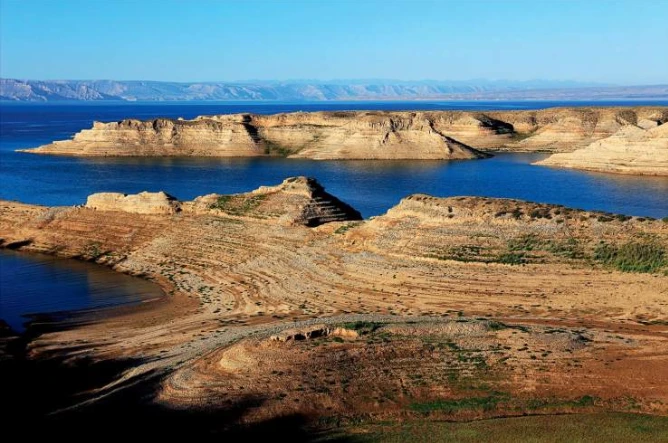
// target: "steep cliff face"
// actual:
[[227, 137], [631, 150], [362, 135], [433, 135]]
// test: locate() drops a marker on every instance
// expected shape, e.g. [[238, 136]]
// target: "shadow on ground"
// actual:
[[41, 392]]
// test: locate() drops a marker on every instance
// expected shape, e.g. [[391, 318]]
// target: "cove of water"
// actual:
[[32, 283]]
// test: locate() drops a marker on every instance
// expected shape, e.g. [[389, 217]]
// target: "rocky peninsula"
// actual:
[[437, 135], [455, 308], [631, 150]]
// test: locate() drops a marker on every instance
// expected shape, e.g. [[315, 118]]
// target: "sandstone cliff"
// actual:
[[437, 135], [631, 150], [142, 203]]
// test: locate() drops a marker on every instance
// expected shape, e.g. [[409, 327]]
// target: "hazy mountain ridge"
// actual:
[[296, 90]]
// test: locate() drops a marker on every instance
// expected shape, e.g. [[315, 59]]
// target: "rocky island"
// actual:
[[436, 135], [447, 308]]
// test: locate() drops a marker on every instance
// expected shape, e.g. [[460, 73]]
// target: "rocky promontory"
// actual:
[[296, 201], [631, 150], [433, 135]]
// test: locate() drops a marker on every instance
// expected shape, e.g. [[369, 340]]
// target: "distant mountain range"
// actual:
[[314, 90]]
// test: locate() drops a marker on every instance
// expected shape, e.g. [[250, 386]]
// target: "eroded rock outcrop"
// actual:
[[142, 203], [631, 150], [296, 201], [434, 135]]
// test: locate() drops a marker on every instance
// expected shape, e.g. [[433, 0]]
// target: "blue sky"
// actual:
[[621, 42]]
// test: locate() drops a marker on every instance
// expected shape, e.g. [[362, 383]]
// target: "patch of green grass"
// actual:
[[344, 228], [488, 403], [633, 256], [550, 403], [512, 258], [237, 204], [580, 428], [363, 327], [528, 242], [569, 248]]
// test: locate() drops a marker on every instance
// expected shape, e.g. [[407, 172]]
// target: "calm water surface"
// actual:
[[370, 186], [31, 283]]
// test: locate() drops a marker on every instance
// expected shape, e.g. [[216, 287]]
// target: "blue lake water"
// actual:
[[31, 283], [370, 186]]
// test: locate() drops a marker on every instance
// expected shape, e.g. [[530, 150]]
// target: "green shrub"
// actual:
[[363, 327], [237, 204], [569, 248], [633, 256], [451, 406], [344, 228], [512, 258], [527, 242]]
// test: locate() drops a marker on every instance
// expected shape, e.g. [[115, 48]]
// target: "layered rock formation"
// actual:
[[631, 150], [438, 135], [296, 201], [142, 203]]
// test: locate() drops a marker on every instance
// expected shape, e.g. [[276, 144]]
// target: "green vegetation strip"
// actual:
[[570, 428], [633, 256], [362, 327], [450, 406]]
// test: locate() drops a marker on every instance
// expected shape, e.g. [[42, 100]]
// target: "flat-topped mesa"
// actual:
[[226, 137], [142, 203], [296, 201], [429, 135], [317, 135], [631, 150]]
